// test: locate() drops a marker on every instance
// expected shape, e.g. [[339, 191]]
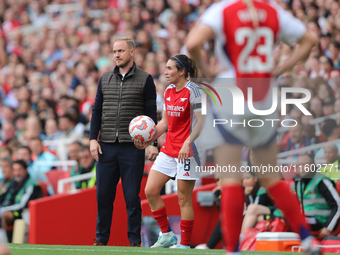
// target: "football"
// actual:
[[142, 128]]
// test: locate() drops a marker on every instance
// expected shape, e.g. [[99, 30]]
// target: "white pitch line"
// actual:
[[192, 251]]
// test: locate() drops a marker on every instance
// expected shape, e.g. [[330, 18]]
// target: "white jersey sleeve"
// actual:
[[213, 18], [195, 97], [291, 29]]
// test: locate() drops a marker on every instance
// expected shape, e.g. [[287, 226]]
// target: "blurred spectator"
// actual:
[[297, 139], [38, 168], [69, 134], [87, 164], [7, 173], [330, 131], [326, 65], [24, 153], [20, 191], [318, 195], [331, 170], [8, 115], [7, 134], [316, 106], [73, 151], [52, 133]]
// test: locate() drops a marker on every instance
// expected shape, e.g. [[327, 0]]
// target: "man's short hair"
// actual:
[[7, 159], [129, 41], [26, 148], [21, 162], [84, 148], [333, 146], [328, 127]]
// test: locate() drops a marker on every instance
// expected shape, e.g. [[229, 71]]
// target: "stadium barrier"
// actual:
[[306, 149], [70, 219]]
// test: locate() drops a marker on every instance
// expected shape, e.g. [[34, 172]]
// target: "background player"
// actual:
[[246, 32], [178, 154]]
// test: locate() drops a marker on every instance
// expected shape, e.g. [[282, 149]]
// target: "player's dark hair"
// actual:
[[189, 65]]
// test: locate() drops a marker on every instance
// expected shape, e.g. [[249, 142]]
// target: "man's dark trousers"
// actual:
[[125, 161]]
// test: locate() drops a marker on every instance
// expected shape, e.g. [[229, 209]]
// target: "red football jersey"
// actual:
[[245, 51], [178, 106]]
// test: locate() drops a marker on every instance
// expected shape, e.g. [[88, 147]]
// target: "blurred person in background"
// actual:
[[87, 164], [7, 173], [332, 169], [318, 196], [330, 132], [39, 156], [20, 191]]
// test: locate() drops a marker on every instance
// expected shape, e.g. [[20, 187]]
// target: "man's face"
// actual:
[[23, 154], [73, 151], [64, 124], [85, 158], [6, 169], [122, 54], [295, 134], [303, 162], [19, 172], [8, 132], [36, 147], [330, 154]]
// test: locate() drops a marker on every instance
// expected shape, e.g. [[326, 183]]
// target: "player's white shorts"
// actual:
[[222, 125], [171, 167]]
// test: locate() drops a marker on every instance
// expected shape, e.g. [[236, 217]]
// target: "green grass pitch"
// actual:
[[30, 249]]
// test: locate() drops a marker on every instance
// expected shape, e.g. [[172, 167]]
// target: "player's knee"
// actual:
[[183, 200], [150, 192]]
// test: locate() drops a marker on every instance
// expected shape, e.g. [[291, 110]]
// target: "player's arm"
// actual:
[[197, 128], [302, 50], [197, 37], [184, 152]]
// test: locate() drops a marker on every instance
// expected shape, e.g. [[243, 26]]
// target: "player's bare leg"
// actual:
[[155, 183]]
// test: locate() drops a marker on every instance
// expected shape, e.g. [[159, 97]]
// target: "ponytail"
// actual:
[[252, 11], [189, 65]]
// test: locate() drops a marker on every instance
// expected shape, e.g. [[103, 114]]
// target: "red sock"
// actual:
[[289, 205], [186, 230], [232, 206], [161, 217]]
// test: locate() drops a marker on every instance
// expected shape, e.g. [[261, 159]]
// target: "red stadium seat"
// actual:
[[54, 176], [43, 186]]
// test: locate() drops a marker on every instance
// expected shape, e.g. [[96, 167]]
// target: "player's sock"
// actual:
[[186, 230], [288, 203], [232, 205], [161, 217]]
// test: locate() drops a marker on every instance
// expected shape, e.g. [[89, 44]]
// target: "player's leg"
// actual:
[[279, 190], [185, 188], [232, 198], [161, 172], [156, 181]]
